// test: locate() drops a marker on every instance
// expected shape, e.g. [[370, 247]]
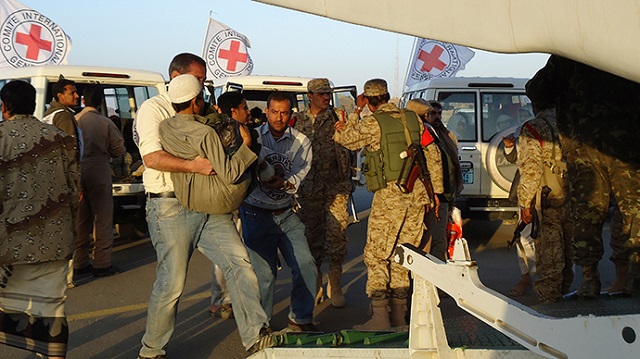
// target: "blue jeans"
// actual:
[[264, 233], [175, 233]]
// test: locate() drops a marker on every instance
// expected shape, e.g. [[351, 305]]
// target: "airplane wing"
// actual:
[[598, 33]]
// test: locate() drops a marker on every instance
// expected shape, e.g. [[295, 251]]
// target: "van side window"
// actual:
[[503, 110], [143, 93], [459, 113]]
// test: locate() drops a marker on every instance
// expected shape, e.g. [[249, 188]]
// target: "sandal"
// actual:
[[224, 311], [518, 290]]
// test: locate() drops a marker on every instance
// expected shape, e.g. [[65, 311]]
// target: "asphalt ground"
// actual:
[[107, 316]]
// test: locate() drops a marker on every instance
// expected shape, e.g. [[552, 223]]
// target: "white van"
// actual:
[[124, 91], [480, 111], [256, 89]]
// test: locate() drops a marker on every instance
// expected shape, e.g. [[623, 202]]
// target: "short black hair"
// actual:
[[19, 97], [435, 104], [256, 112], [183, 61], [181, 106], [279, 96], [229, 100], [377, 100], [58, 87], [92, 95]]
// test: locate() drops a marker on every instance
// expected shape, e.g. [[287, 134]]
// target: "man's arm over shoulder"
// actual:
[[147, 129], [229, 169]]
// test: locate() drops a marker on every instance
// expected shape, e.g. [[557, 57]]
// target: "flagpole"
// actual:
[[406, 77]]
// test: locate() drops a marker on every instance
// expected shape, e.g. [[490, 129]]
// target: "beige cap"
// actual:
[[375, 87], [419, 106], [320, 85], [184, 88]]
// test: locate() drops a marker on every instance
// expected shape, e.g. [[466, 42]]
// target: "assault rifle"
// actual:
[[414, 167], [516, 234]]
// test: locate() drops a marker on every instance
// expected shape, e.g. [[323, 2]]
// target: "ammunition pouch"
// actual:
[[373, 170]]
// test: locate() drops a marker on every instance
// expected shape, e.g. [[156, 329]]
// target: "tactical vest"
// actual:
[[384, 165]]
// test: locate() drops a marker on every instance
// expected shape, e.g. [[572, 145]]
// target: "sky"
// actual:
[[146, 34]]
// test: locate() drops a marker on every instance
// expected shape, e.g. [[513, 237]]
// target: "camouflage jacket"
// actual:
[[534, 155], [366, 132], [40, 181], [331, 161]]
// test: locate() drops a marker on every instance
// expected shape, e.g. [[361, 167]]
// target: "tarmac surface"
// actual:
[[107, 315]]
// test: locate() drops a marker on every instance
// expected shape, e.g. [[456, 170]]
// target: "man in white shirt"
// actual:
[[176, 231]]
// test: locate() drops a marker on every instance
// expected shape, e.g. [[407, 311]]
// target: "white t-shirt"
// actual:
[[146, 133]]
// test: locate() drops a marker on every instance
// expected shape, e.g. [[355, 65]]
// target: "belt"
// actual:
[[272, 211], [161, 195]]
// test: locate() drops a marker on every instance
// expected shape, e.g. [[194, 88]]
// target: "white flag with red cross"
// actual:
[[434, 59], [226, 52], [29, 38]]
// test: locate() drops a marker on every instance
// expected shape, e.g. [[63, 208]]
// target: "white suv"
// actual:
[[480, 111]]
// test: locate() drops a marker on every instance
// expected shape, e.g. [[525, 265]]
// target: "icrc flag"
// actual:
[[226, 52], [433, 59], [29, 38]]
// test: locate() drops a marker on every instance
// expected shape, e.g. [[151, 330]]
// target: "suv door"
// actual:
[[459, 114]]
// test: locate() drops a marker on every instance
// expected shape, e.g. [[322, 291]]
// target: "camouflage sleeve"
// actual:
[[358, 134], [434, 163], [453, 137], [530, 165]]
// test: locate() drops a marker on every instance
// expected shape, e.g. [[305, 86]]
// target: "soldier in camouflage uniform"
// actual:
[[619, 255], [599, 118], [395, 217], [324, 194], [539, 144]]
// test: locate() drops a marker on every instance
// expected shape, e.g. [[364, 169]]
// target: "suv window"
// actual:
[[503, 110], [459, 113]]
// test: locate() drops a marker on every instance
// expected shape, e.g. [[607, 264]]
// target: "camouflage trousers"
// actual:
[[619, 238], [554, 254], [395, 218], [323, 210], [595, 177]]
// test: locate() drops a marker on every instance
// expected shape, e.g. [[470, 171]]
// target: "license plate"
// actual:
[[467, 172]]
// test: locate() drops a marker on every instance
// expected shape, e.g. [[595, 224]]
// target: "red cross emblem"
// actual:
[[432, 59], [233, 55], [34, 42]]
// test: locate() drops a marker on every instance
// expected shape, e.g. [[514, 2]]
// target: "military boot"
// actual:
[[590, 287], [334, 291], [380, 318], [622, 273], [398, 312], [632, 284]]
